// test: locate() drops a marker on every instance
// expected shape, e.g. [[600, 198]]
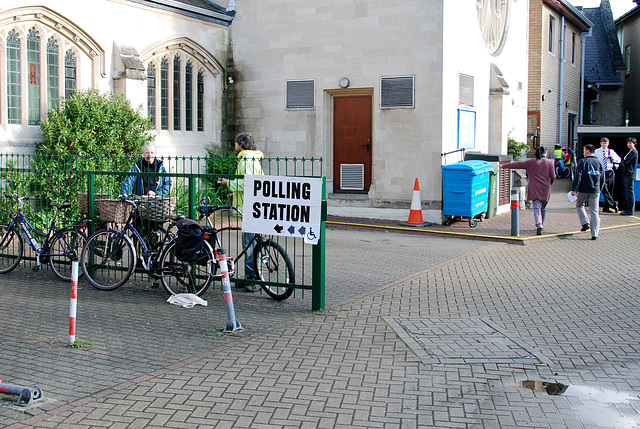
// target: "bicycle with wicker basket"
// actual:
[[110, 256]]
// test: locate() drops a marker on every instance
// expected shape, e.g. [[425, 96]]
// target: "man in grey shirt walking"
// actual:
[[587, 184]]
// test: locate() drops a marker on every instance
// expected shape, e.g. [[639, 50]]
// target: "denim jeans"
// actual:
[[249, 271]]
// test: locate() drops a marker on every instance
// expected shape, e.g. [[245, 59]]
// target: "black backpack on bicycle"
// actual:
[[190, 240]]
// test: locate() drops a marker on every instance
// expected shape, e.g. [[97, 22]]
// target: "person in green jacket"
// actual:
[[249, 162]]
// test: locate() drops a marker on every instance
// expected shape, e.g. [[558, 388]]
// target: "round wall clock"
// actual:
[[493, 19]]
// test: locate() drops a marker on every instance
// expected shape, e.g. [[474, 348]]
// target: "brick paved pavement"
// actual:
[[420, 331]]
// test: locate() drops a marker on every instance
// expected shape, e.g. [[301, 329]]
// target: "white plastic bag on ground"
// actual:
[[186, 300]]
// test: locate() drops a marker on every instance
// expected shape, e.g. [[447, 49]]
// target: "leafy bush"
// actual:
[[91, 123], [515, 148], [221, 162]]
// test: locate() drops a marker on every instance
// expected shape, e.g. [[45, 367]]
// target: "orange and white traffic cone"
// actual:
[[415, 214]]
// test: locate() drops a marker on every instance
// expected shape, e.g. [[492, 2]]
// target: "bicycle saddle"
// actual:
[[61, 205], [207, 210], [176, 218]]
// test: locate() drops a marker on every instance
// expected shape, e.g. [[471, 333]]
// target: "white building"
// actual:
[[382, 89]]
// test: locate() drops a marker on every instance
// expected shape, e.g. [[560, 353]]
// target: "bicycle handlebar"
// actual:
[[207, 210]]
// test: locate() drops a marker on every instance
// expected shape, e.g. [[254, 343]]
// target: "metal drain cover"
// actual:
[[436, 339]]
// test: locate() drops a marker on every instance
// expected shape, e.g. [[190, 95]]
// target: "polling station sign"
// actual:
[[281, 205]]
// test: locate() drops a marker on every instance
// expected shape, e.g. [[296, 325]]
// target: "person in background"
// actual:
[[628, 174], [608, 157], [559, 156], [249, 158], [540, 171], [157, 184], [587, 184]]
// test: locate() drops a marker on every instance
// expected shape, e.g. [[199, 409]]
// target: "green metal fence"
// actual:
[[82, 180]]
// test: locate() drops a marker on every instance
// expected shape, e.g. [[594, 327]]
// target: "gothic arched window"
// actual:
[[14, 91], [53, 74], [200, 101], [164, 94], [70, 76], [176, 93], [33, 59], [151, 93], [188, 96]]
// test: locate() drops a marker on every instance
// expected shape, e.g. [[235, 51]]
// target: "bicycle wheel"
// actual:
[[185, 277], [11, 248], [272, 264], [108, 259], [66, 245]]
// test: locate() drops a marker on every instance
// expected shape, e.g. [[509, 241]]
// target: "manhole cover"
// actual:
[[469, 339]]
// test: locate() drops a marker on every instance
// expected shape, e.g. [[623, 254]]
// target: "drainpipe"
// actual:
[[583, 37], [560, 92]]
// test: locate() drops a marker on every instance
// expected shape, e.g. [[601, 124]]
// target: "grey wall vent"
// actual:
[[352, 177], [301, 94], [466, 90], [397, 92]]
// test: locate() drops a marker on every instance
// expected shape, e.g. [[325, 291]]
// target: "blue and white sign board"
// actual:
[[281, 205]]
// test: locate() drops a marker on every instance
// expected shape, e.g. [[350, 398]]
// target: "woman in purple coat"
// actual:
[[541, 176]]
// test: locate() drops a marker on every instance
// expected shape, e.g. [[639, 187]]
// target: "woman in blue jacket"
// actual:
[[152, 185]]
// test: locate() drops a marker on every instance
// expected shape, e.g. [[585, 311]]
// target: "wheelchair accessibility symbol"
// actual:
[[311, 236]]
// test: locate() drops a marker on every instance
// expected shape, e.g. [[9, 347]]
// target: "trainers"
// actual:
[[585, 227], [539, 231], [594, 237]]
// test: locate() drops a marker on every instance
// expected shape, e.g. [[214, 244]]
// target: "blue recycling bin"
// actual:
[[465, 190]]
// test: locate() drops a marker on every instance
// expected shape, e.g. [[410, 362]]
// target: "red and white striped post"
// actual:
[[74, 302], [233, 324]]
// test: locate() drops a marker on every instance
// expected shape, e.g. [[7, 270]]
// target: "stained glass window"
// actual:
[[33, 59]]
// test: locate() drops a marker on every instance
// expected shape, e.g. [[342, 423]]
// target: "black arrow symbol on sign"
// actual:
[[291, 230], [302, 230], [278, 228]]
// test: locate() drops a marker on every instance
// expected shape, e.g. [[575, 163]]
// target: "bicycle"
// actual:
[[109, 257], [59, 248], [270, 261]]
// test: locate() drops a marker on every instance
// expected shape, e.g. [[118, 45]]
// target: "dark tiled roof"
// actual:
[[201, 9], [602, 52], [204, 4]]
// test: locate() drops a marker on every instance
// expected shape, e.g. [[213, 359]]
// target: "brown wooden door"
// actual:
[[352, 146]]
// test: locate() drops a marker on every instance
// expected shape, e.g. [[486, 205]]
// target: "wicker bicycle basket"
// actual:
[[113, 210], [156, 209], [82, 200]]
